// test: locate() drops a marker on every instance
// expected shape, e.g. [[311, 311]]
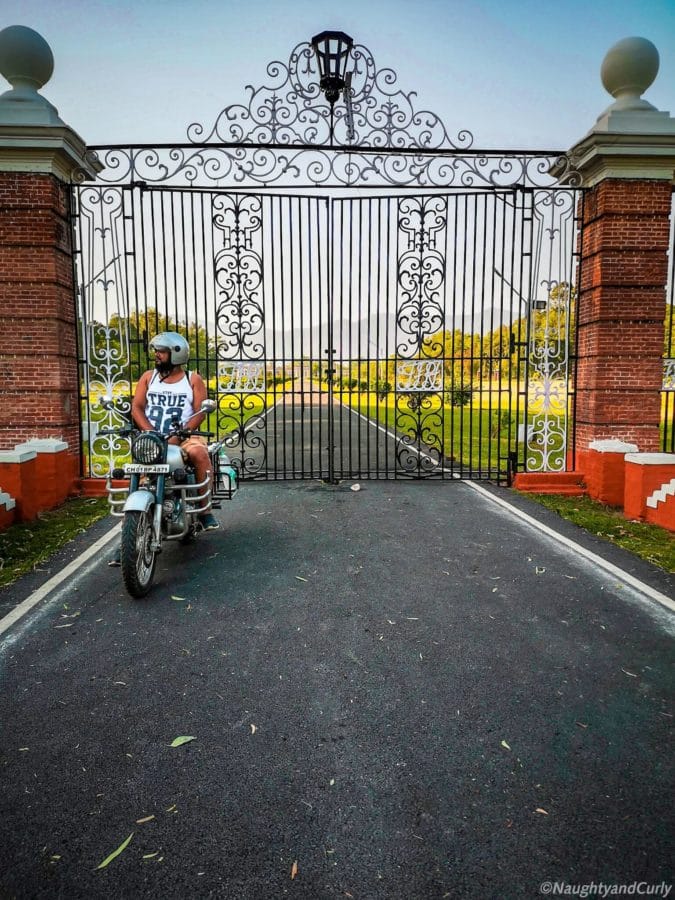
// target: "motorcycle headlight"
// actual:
[[148, 449]]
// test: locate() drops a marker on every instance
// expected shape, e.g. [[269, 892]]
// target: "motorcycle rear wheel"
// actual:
[[138, 557]]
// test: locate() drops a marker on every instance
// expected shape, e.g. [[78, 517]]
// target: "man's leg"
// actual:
[[200, 459]]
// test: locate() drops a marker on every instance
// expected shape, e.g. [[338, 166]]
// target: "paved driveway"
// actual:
[[399, 692]]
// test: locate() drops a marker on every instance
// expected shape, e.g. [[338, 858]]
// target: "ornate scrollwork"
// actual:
[[419, 448], [238, 273], [104, 338], [291, 109], [551, 327], [420, 275], [287, 133], [241, 418]]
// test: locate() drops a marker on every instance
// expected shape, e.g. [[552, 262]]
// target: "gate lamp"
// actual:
[[332, 50]]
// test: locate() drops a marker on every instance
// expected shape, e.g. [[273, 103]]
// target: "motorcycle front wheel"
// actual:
[[138, 557]]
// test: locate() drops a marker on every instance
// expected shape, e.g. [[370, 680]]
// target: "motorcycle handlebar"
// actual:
[[179, 432], [187, 432]]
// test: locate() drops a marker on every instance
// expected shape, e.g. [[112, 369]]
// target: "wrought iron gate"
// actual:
[[418, 329]]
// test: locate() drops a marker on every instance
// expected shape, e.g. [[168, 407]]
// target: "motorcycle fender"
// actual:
[[139, 501]]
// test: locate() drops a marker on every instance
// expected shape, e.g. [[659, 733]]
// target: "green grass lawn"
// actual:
[[26, 546], [647, 541], [467, 435]]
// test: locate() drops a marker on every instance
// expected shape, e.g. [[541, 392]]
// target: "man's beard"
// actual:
[[164, 368]]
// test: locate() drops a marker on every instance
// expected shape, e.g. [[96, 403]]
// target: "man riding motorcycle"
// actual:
[[168, 391]]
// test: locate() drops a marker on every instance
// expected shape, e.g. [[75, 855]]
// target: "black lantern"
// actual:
[[332, 49]]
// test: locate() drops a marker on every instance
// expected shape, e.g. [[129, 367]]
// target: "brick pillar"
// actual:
[[40, 159], [621, 310], [626, 163], [38, 353]]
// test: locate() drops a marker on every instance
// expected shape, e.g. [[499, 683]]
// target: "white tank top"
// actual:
[[165, 400]]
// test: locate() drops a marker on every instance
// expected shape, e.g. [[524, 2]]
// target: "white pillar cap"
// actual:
[[651, 459], [33, 138], [631, 139], [613, 445]]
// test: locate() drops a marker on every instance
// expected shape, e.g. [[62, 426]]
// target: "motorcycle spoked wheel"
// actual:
[[138, 559]]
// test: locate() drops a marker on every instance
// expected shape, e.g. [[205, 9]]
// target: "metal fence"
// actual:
[[409, 335], [366, 295]]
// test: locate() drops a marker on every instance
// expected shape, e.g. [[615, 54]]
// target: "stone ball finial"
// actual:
[[26, 59], [628, 69]]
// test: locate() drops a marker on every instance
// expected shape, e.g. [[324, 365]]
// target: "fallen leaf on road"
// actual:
[[505, 745], [183, 739], [150, 855], [143, 821], [542, 811], [294, 869], [115, 853]]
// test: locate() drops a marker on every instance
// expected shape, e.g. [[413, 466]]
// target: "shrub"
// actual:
[[459, 396], [383, 388], [499, 422]]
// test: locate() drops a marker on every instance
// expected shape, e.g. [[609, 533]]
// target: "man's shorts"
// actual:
[[191, 443]]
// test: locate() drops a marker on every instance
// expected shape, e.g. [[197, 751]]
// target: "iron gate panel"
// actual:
[[354, 337], [451, 329], [243, 276], [448, 305]]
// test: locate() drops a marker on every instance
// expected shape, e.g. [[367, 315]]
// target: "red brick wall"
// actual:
[[621, 312], [38, 355]]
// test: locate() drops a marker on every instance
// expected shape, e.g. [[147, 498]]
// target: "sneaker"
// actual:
[[115, 560], [207, 522]]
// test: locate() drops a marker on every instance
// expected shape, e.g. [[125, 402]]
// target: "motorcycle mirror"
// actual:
[[208, 406]]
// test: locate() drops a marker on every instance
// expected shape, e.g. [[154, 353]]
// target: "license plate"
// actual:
[[138, 469]]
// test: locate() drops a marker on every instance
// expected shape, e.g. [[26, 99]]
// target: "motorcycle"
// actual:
[[163, 498]]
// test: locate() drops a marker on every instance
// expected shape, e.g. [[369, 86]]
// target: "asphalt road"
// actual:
[[398, 692]]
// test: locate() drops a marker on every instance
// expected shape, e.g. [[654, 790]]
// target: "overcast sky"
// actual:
[[519, 74]]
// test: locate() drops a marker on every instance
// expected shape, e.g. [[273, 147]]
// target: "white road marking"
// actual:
[[603, 564], [55, 581]]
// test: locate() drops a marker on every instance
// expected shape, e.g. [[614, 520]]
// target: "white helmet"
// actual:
[[175, 343]]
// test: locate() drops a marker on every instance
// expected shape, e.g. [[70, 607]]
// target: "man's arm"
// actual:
[[198, 395], [138, 404]]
